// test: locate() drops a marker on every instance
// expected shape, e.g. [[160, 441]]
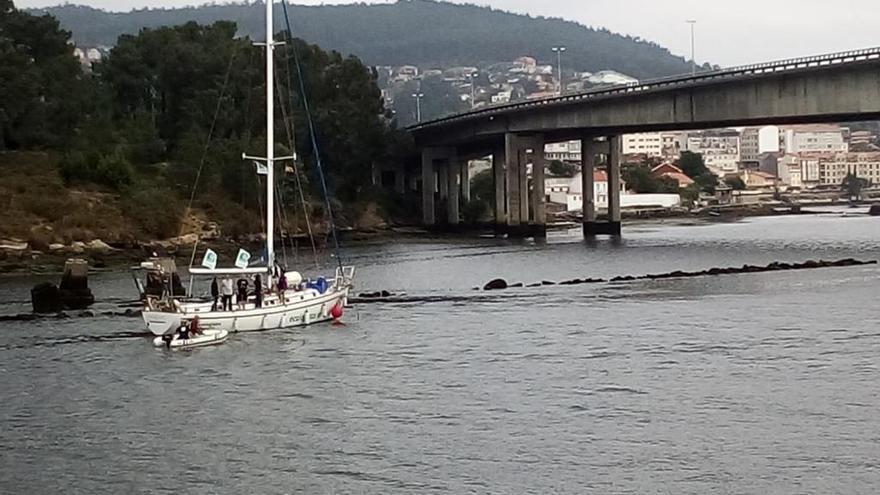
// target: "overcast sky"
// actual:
[[728, 32]]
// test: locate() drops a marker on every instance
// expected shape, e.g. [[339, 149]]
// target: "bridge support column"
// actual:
[[589, 149], [434, 160], [614, 191], [499, 161], [453, 173], [538, 223], [443, 179], [512, 157], [465, 181], [400, 180]]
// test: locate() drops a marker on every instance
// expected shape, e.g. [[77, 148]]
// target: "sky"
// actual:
[[727, 33]]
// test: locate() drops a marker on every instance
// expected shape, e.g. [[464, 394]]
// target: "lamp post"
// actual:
[[558, 50], [693, 24], [473, 78], [418, 97]]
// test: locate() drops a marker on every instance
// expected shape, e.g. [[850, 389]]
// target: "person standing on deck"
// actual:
[[227, 290], [282, 286], [215, 293], [242, 286], [258, 290]]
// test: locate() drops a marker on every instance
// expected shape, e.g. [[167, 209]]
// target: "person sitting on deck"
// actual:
[[194, 327]]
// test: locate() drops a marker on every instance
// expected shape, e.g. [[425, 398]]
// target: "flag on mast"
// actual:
[[243, 259], [209, 261]]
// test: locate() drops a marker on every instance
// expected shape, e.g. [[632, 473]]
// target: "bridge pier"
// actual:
[[611, 148], [453, 173], [435, 179], [499, 161], [519, 200], [465, 181]]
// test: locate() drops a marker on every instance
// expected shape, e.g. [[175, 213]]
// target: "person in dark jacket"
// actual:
[[242, 287], [215, 293], [258, 290]]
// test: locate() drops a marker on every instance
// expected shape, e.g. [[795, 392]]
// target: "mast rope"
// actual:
[[287, 117], [210, 137], [312, 134]]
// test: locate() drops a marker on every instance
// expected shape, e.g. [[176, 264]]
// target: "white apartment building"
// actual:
[[750, 146], [813, 139], [567, 151], [650, 144], [655, 144], [720, 150], [834, 168]]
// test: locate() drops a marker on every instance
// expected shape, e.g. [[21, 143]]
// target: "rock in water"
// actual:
[[46, 298], [497, 284]]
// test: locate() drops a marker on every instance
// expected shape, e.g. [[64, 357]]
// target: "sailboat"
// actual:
[[301, 304]]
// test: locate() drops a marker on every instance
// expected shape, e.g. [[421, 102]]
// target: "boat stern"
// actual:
[[160, 323]]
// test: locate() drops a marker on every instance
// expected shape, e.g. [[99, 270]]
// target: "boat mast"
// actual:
[[270, 136]]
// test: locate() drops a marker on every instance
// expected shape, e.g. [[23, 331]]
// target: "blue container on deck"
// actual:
[[319, 285]]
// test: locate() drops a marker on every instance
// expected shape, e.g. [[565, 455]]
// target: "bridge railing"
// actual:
[[840, 58]]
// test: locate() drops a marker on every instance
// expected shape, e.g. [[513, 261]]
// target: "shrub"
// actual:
[[474, 211], [111, 170], [156, 212]]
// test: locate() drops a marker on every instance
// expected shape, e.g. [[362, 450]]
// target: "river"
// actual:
[[755, 383]]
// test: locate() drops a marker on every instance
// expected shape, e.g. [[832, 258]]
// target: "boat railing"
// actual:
[[344, 276]]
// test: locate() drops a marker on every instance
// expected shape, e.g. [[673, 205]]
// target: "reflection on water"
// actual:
[[762, 383]]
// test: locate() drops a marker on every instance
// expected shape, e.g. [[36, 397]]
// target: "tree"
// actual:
[[853, 186], [735, 183], [559, 168], [692, 164], [640, 179], [440, 99], [41, 82]]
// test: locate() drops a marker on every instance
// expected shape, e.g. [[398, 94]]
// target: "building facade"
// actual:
[[813, 139], [720, 150], [750, 148]]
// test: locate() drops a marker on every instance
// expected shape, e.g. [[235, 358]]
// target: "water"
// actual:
[[760, 383]]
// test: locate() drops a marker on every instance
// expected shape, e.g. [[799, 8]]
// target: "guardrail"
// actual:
[[832, 59]]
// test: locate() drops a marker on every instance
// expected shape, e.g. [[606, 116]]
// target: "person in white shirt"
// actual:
[[227, 289]]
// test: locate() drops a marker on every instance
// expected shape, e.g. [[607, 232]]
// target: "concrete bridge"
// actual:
[[829, 88]]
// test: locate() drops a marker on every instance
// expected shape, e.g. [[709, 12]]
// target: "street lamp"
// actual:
[[693, 24], [418, 97], [558, 50], [473, 78]]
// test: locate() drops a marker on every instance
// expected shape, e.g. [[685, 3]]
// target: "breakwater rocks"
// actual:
[[64, 315], [501, 284]]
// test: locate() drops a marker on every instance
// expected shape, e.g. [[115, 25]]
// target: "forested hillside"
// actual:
[[419, 32]]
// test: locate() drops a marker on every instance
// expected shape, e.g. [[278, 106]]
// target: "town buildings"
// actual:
[[822, 138], [720, 150]]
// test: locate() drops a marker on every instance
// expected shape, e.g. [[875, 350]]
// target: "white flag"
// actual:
[[243, 259], [210, 260], [262, 169]]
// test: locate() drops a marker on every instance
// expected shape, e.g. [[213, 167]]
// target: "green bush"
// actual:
[[112, 170], [474, 211], [156, 212]]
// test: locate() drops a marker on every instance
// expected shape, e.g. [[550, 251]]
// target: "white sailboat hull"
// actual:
[[299, 309]]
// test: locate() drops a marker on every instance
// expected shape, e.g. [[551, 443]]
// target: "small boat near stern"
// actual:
[[204, 339]]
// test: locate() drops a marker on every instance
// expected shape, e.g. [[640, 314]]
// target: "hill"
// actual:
[[421, 32]]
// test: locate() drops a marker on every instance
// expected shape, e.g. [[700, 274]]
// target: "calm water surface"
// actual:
[[762, 383]]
